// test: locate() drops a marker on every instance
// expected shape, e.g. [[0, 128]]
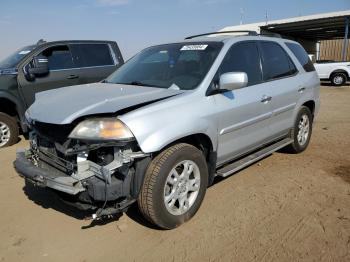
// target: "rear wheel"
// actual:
[[338, 79], [174, 186], [8, 130], [301, 132]]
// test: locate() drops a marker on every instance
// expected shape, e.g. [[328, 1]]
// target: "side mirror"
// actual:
[[40, 66], [233, 80]]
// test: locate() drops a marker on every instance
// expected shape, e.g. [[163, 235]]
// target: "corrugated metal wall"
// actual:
[[332, 50]]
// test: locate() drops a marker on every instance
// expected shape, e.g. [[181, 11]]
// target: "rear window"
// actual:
[[89, 55], [276, 62], [302, 56]]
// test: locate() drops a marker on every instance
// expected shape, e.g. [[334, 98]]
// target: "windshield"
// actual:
[[12, 60], [179, 66]]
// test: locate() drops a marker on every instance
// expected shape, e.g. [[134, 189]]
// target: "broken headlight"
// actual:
[[101, 129]]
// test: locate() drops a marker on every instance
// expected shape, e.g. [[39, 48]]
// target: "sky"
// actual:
[[136, 24]]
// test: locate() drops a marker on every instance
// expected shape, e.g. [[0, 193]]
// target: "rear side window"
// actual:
[[276, 62], [302, 56], [89, 55], [243, 57], [59, 57]]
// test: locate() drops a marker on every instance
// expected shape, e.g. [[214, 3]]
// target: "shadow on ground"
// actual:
[[47, 199], [329, 84]]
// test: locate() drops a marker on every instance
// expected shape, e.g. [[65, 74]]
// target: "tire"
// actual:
[[159, 200], [300, 140], [338, 79], [9, 130]]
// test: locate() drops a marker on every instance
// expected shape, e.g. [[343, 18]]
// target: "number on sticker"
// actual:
[[193, 47]]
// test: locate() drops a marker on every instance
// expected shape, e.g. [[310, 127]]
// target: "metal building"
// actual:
[[311, 31]]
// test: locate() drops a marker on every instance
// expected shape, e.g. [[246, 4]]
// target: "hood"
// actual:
[[64, 105]]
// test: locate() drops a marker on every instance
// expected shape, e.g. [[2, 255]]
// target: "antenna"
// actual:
[[241, 13], [266, 17]]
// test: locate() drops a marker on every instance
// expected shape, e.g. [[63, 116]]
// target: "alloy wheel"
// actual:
[[182, 187]]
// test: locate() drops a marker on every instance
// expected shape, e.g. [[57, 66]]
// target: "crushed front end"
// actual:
[[91, 174]]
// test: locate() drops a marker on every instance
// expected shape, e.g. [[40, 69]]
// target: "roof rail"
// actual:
[[250, 32]]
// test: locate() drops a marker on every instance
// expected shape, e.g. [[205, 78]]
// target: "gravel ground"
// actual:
[[284, 208]]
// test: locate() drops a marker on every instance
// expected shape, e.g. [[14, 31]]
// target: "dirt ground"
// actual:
[[284, 208]]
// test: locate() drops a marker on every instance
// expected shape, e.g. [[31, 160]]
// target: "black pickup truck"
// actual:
[[49, 65]]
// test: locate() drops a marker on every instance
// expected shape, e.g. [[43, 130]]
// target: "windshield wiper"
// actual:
[[138, 83]]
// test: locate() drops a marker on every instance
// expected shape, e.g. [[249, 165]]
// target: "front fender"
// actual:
[[19, 106], [158, 125], [168, 134]]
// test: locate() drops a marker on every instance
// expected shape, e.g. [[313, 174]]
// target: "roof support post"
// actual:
[[345, 41]]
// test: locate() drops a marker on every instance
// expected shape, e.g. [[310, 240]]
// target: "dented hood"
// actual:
[[64, 105]]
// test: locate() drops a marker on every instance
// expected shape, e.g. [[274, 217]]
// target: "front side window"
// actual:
[[276, 62], [177, 66], [243, 57], [59, 57], [90, 55], [302, 56]]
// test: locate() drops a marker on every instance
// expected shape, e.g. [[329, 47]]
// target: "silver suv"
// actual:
[[167, 122]]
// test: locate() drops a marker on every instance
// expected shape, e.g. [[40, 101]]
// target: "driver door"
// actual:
[[245, 113], [62, 72]]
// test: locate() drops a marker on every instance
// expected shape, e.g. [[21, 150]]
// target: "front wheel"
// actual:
[[301, 132], [8, 130], [174, 186]]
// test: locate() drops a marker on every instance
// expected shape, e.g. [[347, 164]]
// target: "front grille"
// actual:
[[56, 133], [51, 142], [65, 165]]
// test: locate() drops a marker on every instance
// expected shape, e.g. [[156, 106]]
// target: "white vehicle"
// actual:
[[336, 72]]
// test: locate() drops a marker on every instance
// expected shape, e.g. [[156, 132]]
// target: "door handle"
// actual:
[[72, 77], [301, 89], [265, 99]]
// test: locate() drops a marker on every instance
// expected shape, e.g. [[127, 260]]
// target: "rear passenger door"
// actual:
[[244, 114], [280, 73], [94, 61]]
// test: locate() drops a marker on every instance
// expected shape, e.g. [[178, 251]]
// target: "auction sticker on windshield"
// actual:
[[193, 47], [24, 52]]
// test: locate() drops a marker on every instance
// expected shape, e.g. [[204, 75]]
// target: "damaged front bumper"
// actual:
[[83, 182], [44, 178]]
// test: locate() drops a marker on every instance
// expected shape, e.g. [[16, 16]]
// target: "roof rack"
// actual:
[[250, 32]]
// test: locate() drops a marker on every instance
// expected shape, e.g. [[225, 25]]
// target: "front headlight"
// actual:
[[101, 129]]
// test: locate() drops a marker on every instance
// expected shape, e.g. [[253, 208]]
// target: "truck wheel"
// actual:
[[8, 130], [174, 186], [338, 79], [301, 132]]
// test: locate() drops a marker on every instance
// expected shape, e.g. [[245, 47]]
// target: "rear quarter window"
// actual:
[[302, 56]]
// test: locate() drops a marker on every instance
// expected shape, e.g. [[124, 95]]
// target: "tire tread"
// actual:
[[153, 171]]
